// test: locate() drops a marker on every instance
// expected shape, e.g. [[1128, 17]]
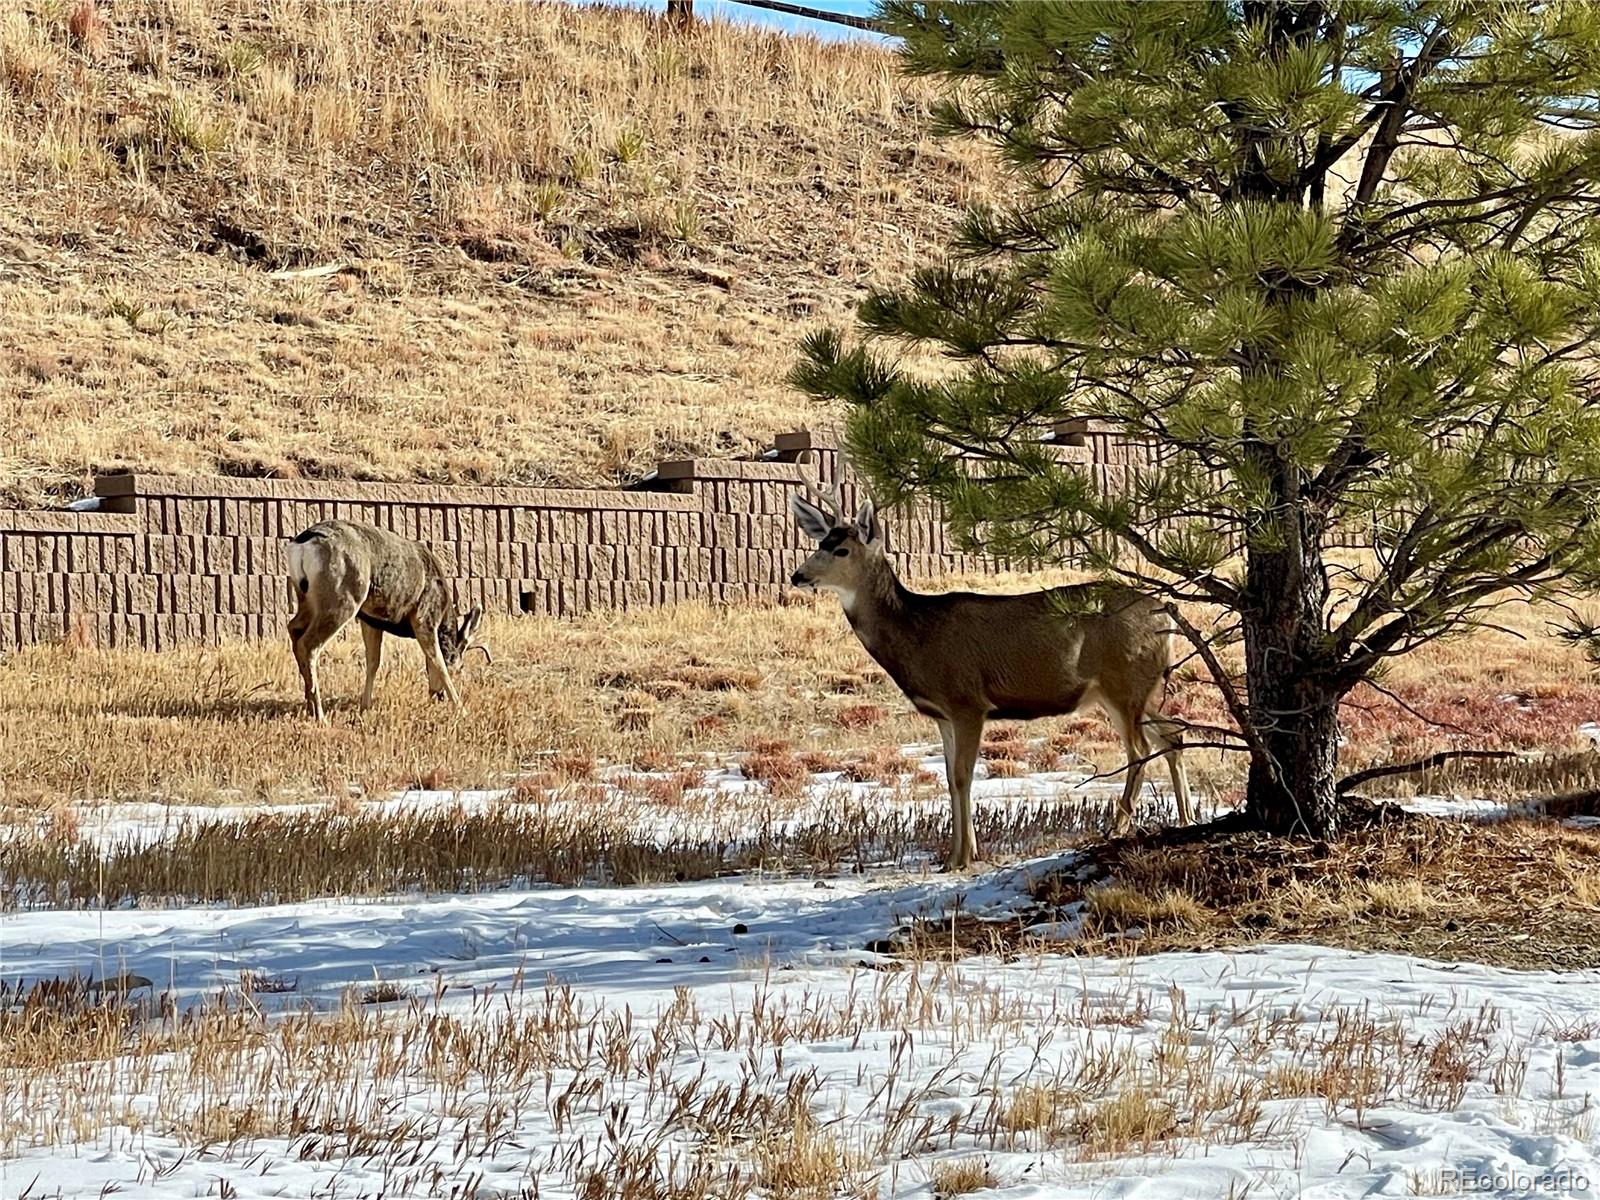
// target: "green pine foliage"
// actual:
[[1340, 261]]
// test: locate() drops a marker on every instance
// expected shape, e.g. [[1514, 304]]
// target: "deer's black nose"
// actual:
[[797, 579]]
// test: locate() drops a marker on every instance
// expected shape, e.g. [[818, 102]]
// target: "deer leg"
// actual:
[[372, 638], [438, 677], [1167, 738], [1138, 748], [308, 678], [947, 735], [308, 644], [961, 757], [298, 624]]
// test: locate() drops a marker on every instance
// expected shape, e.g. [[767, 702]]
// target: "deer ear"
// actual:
[[867, 527], [470, 623], [813, 522]]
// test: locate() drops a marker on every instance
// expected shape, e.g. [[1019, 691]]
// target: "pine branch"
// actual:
[[1218, 591], [1387, 138], [1450, 591], [1236, 706], [1145, 759]]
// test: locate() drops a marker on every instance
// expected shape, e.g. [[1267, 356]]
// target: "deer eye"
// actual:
[[841, 552]]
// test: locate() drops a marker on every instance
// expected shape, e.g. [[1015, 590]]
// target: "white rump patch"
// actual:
[[301, 564]]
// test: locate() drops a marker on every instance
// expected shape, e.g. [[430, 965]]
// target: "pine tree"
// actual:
[[1339, 261]]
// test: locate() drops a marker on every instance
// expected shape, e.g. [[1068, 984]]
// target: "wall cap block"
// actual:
[[1072, 454], [344, 491], [25, 520], [806, 439], [765, 471]]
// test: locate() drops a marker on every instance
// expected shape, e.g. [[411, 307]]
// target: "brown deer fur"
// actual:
[[963, 658], [344, 569]]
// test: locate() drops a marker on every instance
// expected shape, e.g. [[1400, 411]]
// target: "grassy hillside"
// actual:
[[431, 239]]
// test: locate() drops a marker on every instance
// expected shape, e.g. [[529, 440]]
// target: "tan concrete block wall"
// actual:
[[62, 575], [174, 561]]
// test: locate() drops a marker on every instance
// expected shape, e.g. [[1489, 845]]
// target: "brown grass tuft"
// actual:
[[1130, 1122], [1005, 741], [86, 28], [668, 791], [886, 765], [807, 1163], [861, 716], [384, 991], [784, 773], [1034, 1108], [958, 1176], [718, 679], [708, 726], [1115, 907]]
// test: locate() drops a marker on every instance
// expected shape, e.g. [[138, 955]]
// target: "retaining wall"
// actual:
[[169, 561]]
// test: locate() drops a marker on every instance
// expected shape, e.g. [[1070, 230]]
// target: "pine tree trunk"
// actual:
[[1292, 789], [1294, 709]]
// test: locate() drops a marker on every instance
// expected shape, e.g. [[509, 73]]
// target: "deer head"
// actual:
[[456, 640], [847, 552]]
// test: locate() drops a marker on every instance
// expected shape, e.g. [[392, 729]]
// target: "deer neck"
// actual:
[[449, 635], [876, 610]]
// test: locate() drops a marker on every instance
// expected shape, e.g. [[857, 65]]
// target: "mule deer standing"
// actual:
[[343, 569], [963, 658]]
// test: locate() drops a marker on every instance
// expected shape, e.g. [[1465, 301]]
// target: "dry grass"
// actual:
[[784, 685], [1134, 1120], [1118, 906], [227, 723], [957, 1177], [561, 838], [569, 241], [809, 1163], [1518, 892], [1032, 1107], [788, 685], [225, 726]]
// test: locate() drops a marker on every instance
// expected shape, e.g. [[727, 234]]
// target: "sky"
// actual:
[[724, 10]]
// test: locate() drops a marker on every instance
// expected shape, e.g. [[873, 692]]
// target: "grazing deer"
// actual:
[[963, 658], [343, 569]]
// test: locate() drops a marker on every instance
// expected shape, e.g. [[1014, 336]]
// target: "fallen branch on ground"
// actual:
[[1351, 782]]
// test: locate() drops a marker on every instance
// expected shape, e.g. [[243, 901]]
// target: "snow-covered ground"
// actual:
[[708, 1039], [591, 936]]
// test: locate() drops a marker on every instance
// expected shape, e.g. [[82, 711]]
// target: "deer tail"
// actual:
[[306, 556]]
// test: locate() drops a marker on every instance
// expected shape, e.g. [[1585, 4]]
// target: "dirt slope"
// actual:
[[432, 239]]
